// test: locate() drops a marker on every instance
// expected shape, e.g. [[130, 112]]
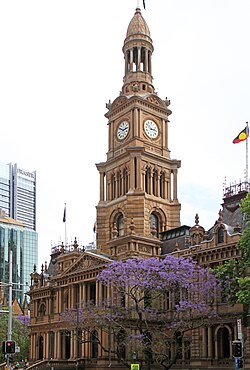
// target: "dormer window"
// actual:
[[220, 235]]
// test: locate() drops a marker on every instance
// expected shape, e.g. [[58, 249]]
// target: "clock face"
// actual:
[[122, 130], [151, 129]]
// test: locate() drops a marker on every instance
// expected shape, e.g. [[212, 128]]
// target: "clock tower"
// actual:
[[138, 181]]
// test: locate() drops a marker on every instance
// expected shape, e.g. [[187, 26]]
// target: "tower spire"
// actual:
[[138, 49]]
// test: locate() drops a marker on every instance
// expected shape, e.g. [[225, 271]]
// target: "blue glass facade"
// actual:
[[18, 194], [23, 243], [17, 227]]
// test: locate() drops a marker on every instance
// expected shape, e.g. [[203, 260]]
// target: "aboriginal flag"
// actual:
[[243, 135]]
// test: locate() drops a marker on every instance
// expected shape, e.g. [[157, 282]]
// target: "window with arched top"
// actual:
[[220, 235], [42, 310], [120, 225], [154, 224]]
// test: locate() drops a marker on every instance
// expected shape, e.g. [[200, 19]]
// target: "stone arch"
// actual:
[[157, 221], [117, 223], [42, 309], [223, 341], [65, 299], [220, 231]]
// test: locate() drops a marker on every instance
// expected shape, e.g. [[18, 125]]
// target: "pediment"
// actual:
[[152, 98], [86, 262], [118, 102]]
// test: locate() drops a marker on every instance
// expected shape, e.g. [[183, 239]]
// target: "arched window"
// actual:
[[42, 310], [154, 224], [120, 225], [220, 235]]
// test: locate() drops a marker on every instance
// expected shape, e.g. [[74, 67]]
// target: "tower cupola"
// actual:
[[138, 49]]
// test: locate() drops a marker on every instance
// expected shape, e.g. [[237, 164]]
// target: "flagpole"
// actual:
[[65, 223], [247, 154]]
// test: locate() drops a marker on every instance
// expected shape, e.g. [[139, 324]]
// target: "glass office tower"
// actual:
[[18, 194], [17, 227], [23, 243]]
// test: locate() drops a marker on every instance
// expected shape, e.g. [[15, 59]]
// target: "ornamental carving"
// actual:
[[121, 249], [118, 102], [153, 99], [144, 249]]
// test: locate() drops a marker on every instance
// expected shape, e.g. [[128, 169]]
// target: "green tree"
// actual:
[[20, 334], [234, 274]]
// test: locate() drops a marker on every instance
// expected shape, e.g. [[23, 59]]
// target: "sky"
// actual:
[[61, 61]]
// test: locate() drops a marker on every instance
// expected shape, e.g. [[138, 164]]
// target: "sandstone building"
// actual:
[[138, 214]]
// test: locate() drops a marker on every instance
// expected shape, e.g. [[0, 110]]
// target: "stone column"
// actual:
[[175, 185], [139, 59], [59, 346], [204, 342], [132, 173], [165, 124], [131, 60], [138, 173], [84, 298], [101, 186], [97, 292], [46, 346], [80, 296], [146, 61], [135, 125], [108, 187], [158, 182], [216, 352]]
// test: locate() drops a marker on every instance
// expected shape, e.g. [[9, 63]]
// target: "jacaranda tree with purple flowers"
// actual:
[[150, 308]]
